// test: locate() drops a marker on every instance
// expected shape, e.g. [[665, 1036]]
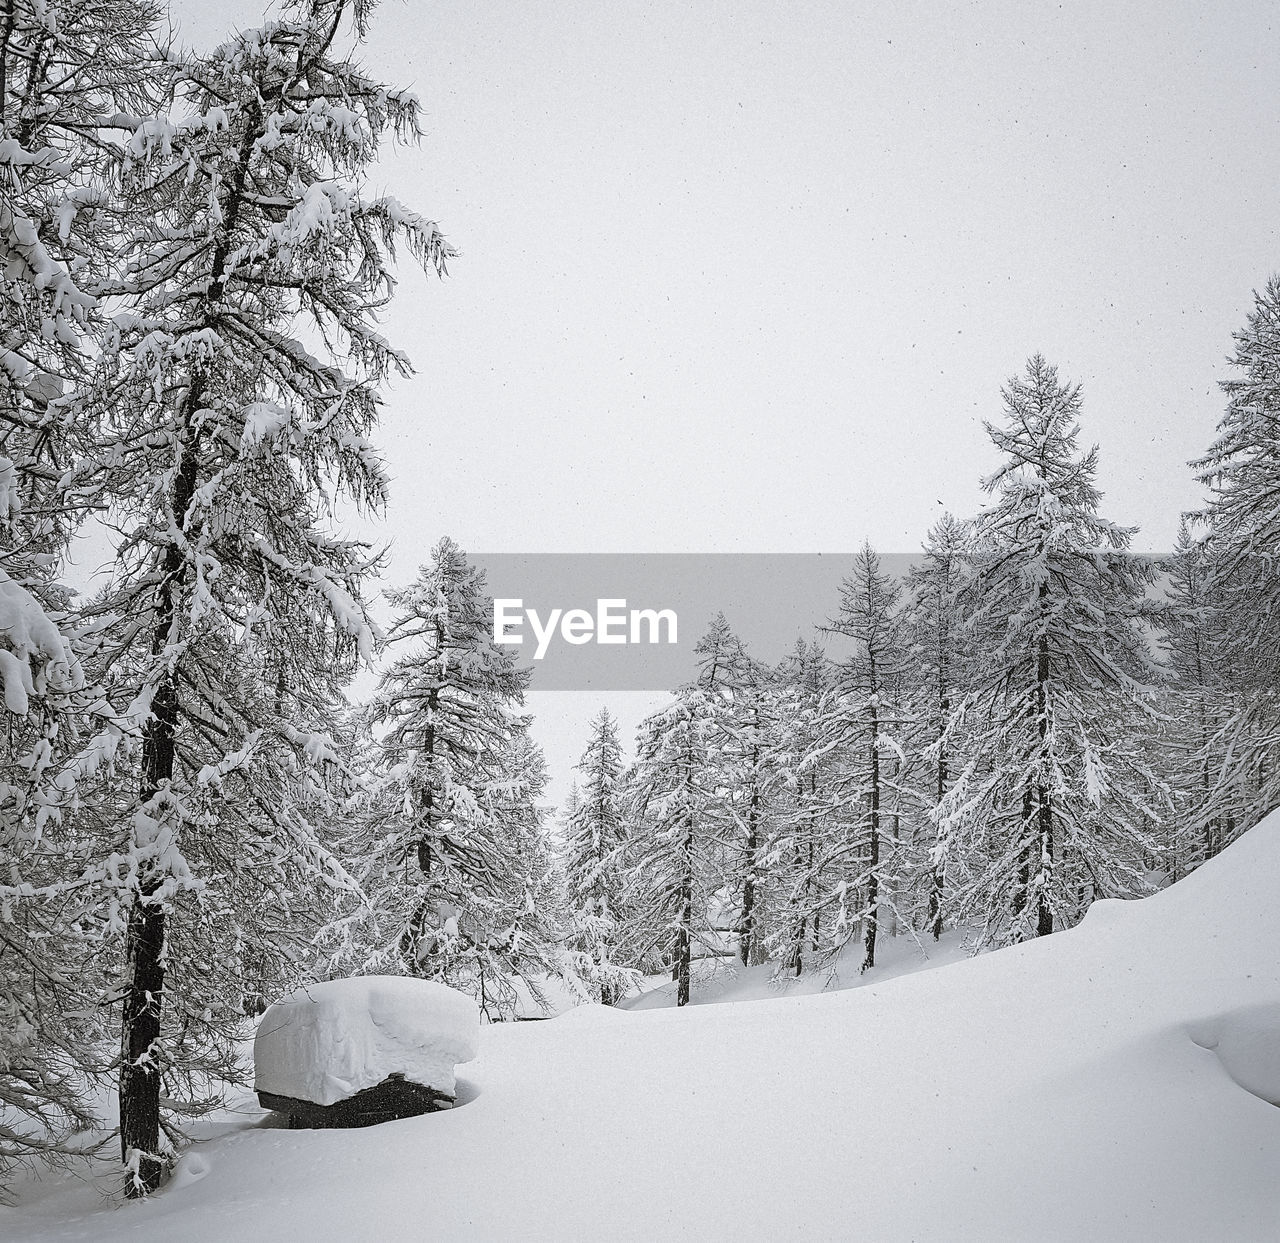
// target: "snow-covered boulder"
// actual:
[[363, 1050]]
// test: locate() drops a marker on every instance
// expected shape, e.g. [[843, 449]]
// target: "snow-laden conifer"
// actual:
[[934, 656], [868, 615], [1241, 469], [595, 838], [809, 816], [1054, 804], [235, 405], [447, 840], [676, 854], [62, 67]]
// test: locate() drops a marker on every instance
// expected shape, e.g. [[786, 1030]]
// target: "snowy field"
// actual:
[[1108, 1082]]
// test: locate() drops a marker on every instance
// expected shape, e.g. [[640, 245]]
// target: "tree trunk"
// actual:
[[684, 941], [873, 877], [747, 924], [139, 1088], [1044, 810]]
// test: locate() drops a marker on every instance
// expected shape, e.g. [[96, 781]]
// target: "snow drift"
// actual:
[[1106, 1082], [326, 1042]]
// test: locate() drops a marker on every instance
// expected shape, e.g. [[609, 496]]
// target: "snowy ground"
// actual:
[[1109, 1082], [719, 980]]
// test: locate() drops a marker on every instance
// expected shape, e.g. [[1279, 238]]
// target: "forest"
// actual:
[[196, 813]]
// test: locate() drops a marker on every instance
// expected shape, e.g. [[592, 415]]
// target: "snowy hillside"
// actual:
[[1085, 1085]]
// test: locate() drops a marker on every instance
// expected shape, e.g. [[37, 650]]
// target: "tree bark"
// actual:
[[139, 1088], [873, 878]]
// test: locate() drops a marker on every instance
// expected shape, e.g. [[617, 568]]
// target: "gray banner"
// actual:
[[604, 621]]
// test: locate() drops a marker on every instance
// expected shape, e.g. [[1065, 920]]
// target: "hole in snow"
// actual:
[[1247, 1043], [464, 1092]]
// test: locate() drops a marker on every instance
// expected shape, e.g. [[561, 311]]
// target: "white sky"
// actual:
[[748, 276]]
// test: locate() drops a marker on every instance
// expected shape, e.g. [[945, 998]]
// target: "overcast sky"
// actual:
[[748, 277]]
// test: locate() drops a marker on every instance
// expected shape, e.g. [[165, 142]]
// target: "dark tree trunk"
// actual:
[[936, 881], [684, 942], [1044, 809], [139, 1088], [1024, 863], [747, 926], [873, 876]]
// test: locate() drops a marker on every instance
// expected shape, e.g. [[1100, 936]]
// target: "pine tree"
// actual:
[[933, 639], [595, 841], [1242, 472], [809, 815], [62, 69], [1203, 699], [676, 856], [449, 834], [868, 604], [235, 609], [1053, 806], [740, 697]]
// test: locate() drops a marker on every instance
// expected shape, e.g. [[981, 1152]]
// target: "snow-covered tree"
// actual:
[[595, 836], [235, 407], [1242, 472], [448, 837], [675, 856], [935, 657], [63, 66], [868, 616], [1204, 699], [808, 816], [1054, 804], [740, 696]]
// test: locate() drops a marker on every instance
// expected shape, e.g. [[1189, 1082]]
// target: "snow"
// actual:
[[35, 653], [328, 1041], [1104, 1082]]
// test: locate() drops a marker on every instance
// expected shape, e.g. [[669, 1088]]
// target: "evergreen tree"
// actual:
[[739, 695], [63, 68], [675, 856], [595, 840], [1242, 472], [235, 610], [449, 834], [1053, 805], [868, 603], [809, 816], [936, 655], [1204, 699]]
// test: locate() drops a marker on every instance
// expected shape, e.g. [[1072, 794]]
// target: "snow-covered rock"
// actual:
[[326, 1042]]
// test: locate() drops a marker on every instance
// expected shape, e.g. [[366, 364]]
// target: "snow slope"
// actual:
[[719, 980], [1106, 1082]]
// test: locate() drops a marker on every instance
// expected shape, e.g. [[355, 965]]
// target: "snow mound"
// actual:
[[1247, 1043], [326, 1042]]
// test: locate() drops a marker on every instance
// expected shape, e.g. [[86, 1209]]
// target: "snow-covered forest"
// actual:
[[198, 813]]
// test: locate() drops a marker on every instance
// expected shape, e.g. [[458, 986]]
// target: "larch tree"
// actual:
[[808, 813], [739, 694], [595, 834], [1054, 805], [868, 615], [1241, 469], [235, 406], [1203, 698], [62, 68], [675, 855], [935, 654], [447, 833]]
